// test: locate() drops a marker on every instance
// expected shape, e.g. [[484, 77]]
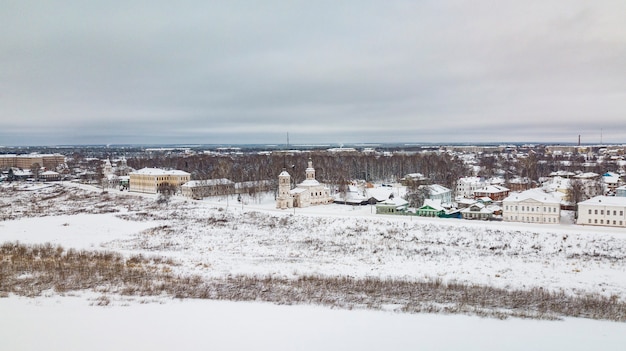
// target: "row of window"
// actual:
[[595, 221], [608, 212], [532, 209], [533, 219]]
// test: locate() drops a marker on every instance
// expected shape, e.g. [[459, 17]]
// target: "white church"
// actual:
[[308, 193]]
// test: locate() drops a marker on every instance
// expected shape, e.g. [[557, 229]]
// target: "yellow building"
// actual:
[[148, 180], [49, 161]]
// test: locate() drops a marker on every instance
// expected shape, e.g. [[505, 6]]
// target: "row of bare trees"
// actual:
[[330, 168]]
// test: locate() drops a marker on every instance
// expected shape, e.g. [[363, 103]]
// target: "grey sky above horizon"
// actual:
[[214, 72]]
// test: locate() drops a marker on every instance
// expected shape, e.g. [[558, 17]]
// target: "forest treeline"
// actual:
[[332, 168], [339, 168]]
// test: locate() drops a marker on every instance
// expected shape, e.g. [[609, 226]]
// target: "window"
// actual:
[[595, 211], [621, 213], [614, 213], [602, 221], [602, 212], [589, 220], [589, 211], [544, 209], [595, 221], [614, 222]]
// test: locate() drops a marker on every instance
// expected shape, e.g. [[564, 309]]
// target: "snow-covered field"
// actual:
[[221, 237], [66, 323]]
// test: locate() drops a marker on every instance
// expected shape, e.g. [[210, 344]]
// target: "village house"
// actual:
[[494, 192], [308, 193], [466, 186], [603, 210], [611, 182], [531, 206], [149, 180], [50, 176], [439, 192], [479, 210], [395, 205], [413, 179], [519, 184], [431, 208]]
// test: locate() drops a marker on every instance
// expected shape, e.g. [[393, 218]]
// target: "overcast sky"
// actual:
[[79, 72]]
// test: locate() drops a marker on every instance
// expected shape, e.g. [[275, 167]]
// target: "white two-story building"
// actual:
[[531, 206], [603, 210]]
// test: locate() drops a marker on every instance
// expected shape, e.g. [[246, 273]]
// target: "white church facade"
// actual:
[[308, 193]]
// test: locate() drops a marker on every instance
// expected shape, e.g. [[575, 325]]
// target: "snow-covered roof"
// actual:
[[159, 171], [496, 180], [297, 191], [611, 178], [470, 180], [208, 182], [534, 194], [465, 201], [519, 180], [434, 204], [562, 174], [415, 176], [436, 189], [21, 172], [478, 207], [350, 198], [396, 201], [606, 200], [309, 183], [587, 175], [50, 173], [379, 193], [492, 189]]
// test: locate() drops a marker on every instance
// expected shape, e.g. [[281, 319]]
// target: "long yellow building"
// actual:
[[49, 161], [148, 180]]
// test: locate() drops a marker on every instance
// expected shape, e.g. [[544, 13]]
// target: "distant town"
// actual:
[[531, 183]]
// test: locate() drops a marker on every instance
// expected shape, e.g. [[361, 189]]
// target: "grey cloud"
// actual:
[[432, 71]]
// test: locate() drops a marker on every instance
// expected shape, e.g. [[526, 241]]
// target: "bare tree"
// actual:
[[417, 194], [35, 170], [165, 191], [576, 194]]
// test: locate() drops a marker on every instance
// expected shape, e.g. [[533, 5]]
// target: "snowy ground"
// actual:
[[55, 323], [219, 237]]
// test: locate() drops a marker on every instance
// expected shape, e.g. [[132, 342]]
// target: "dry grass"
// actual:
[[29, 270]]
